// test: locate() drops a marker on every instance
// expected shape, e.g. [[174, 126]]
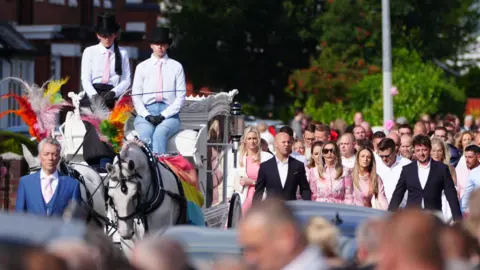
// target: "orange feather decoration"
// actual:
[[113, 126], [26, 112]]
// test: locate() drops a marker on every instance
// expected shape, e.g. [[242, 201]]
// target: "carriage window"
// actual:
[[19, 68]]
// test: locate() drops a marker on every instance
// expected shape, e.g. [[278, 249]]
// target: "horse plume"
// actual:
[[38, 107], [113, 127]]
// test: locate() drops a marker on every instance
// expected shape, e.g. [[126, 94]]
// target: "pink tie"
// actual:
[[159, 96], [48, 190], [106, 69]]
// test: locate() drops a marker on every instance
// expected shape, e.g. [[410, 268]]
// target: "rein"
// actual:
[[142, 209]]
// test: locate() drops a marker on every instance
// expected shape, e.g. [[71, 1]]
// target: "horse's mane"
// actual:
[[127, 144]]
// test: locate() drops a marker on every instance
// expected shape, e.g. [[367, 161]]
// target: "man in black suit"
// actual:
[[425, 179], [281, 176]]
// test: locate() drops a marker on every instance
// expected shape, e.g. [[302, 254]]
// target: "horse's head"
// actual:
[[125, 178]]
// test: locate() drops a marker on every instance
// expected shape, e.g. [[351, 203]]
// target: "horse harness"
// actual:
[[143, 209]]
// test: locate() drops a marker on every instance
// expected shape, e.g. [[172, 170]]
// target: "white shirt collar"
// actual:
[[43, 175], [157, 60], [279, 161], [426, 166], [310, 258], [103, 50]]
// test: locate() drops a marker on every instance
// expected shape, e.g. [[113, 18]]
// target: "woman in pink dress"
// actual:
[[368, 186], [250, 156], [329, 180]]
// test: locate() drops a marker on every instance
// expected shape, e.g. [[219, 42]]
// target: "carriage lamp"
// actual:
[[237, 128]]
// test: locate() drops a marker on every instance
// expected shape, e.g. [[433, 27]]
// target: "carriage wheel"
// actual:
[[234, 211]]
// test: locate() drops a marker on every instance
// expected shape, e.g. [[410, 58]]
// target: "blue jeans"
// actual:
[[158, 136]]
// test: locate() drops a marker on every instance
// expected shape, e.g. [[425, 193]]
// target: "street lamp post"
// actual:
[[387, 62], [236, 126]]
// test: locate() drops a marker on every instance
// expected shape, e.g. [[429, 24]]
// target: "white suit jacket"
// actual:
[[234, 174]]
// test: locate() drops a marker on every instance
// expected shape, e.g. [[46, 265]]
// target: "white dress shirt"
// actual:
[[423, 172], [93, 64], [310, 258], [348, 162], [145, 85], [282, 170], [390, 176], [44, 181]]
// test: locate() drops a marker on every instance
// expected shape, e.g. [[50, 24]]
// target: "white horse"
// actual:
[[92, 188], [137, 192]]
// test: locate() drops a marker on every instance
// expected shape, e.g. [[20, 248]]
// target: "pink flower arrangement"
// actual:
[[389, 125], [394, 91]]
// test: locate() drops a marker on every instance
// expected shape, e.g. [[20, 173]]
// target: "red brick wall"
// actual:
[[18, 168], [8, 12], [42, 69], [47, 13]]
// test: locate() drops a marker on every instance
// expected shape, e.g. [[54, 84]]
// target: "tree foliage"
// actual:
[[422, 88], [349, 41], [251, 45]]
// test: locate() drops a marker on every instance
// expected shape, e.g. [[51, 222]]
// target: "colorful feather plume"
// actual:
[[37, 108], [113, 126]]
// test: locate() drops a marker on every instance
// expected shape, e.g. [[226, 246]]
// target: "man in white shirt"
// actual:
[[389, 167], [347, 150], [272, 239], [158, 93]]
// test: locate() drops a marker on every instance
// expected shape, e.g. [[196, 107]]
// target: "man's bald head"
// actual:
[[411, 238], [283, 144], [271, 235], [396, 138]]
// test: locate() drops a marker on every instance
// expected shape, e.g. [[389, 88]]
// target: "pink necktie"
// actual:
[[106, 69], [48, 190], [160, 82]]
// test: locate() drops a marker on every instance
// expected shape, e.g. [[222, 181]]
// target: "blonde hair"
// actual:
[[242, 149], [459, 139], [338, 161], [446, 151], [325, 235], [372, 170]]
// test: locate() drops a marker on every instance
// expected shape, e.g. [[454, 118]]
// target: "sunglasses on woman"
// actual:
[[327, 150]]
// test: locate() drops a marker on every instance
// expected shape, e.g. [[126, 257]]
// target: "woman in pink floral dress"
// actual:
[[329, 180], [368, 186]]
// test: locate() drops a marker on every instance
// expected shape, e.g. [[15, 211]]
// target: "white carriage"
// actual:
[[192, 142]]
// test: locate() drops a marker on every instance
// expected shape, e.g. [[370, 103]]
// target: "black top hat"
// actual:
[[106, 24], [159, 35]]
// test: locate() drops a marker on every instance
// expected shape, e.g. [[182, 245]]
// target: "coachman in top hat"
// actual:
[[106, 75], [158, 93]]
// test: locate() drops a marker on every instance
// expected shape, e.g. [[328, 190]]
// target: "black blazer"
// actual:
[[269, 180], [439, 179]]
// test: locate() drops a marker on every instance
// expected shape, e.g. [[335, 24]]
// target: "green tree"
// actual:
[[252, 45], [422, 88], [12, 142], [350, 43]]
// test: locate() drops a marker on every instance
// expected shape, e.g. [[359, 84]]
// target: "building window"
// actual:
[[107, 4], [19, 68], [134, 1], [97, 3], [72, 3], [58, 2], [135, 26]]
